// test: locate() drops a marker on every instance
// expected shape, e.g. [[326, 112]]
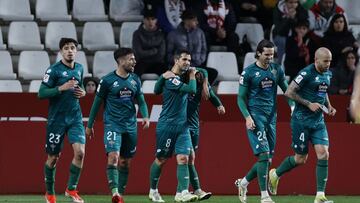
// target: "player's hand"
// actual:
[[168, 74], [250, 124], [205, 93], [221, 110], [89, 132], [78, 92], [146, 123], [71, 84], [314, 107], [192, 70], [332, 111]]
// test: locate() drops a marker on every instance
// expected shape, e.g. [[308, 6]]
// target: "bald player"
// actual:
[[355, 98], [309, 91]]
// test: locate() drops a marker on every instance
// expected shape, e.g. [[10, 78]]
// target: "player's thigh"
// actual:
[[76, 133], [183, 141], [128, 144], [55, 133], [194, 135], [319, 135], [112, 138], [165, 140], [257, 137], [300, 137]]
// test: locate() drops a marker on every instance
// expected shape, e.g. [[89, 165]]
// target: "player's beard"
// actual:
[[130, 69]]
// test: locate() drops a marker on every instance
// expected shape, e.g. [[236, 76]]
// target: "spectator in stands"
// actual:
[[299, 49], [286, 14], [188, 36], [90, 84], [218, 20], [343, 75], [149, 46], [338, 39], [320, 15], [169, 14]]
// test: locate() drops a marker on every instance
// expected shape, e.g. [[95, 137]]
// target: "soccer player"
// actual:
[[258, 86], [118, 90], [172, 130], [62, 85], [193, 120], [355, 98], [309, 91]]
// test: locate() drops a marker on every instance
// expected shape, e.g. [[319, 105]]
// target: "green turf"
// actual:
[[143, 199]]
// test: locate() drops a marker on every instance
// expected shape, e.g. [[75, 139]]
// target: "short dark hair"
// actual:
[[122, 51], [188, 15], [178, 53], [63, 41], [263, 44]]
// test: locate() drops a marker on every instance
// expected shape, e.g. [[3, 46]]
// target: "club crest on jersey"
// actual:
[[257, 74], [65, 74], [79, 73], [133, 83]]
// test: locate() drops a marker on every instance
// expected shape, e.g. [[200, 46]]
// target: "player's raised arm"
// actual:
[[191, 87], [158, 89]]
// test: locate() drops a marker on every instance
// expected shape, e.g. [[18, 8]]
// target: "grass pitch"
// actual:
[[143, 199]]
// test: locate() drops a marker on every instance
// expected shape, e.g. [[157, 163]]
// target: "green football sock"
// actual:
[[182, 174], [155, 171], [252, 173], [262, 170], [321, 175], [194, 178], [74, 177], [112, 176], [50, 179], [287, 165], [123, 178]]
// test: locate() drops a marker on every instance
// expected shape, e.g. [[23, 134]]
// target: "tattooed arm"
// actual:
[[291, 93]]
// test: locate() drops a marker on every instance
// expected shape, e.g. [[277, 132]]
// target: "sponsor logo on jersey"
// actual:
[[322, 89], [266, 84], [125, 94]]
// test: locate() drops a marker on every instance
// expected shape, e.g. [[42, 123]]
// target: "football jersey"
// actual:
[[119, 96], [262, 86], [313, 87], [65, 104], [174, 102]]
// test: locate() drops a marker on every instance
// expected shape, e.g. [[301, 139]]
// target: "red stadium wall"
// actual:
[[223, 156]]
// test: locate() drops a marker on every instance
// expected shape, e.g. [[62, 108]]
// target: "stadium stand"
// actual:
[[98, 36], [55, 31], [148, 86], [52, 10], [253, 31], [24, 36], [10, 86], [18, 10], [126, 33], [225, 63], [89, 10], [249, 59], [33, 64], [6, 67], [34, 86], [351, 8], [2, 45], [103, 63], [228, 87], [125, 10]]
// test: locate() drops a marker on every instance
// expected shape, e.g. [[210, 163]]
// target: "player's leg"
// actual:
[[165, 143], [194, 178], [54, 143], [127, 152], [76, 134], [320, 139], [182, 150], [300, 139]]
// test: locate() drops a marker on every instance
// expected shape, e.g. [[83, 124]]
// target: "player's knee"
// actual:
[[52, 160], [113, 159], [182, 159], [124, 163], [323, 155], [300, 159], [192, 158], [79, 154]]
